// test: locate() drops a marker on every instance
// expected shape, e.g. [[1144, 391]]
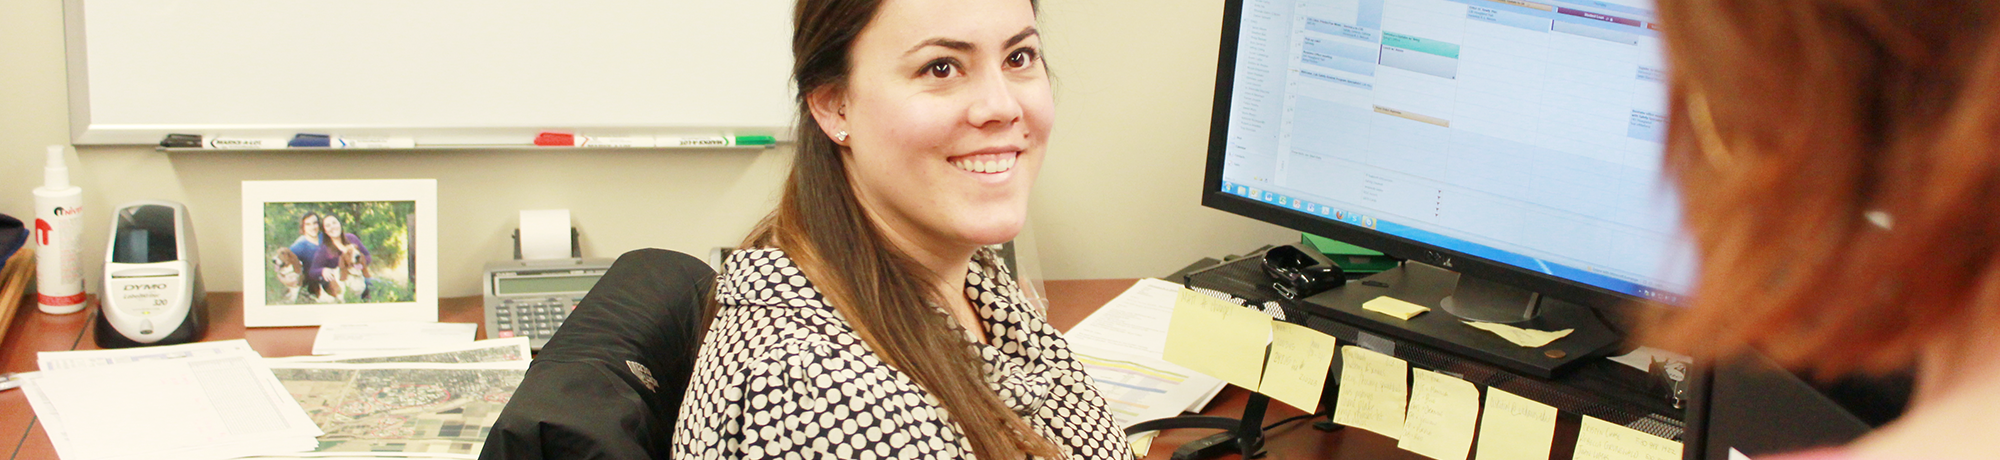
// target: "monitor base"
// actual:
[[1430, 286], [1478, 299]]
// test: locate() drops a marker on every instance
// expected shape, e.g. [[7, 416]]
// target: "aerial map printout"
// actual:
[[402, 407]]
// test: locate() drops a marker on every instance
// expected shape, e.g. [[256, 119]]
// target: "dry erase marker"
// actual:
[[192, 141], [244, 143], [555, 139], [310, 140], [715, 141], [13, 380], [374, 142], [615, 141]]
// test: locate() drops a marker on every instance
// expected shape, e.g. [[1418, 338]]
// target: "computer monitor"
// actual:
[[1513, 144]]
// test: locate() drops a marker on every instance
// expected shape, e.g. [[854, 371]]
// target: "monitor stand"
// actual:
[[1461, 298], [1477, 299]]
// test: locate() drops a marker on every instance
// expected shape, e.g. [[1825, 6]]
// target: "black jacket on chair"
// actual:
[[608, 385]]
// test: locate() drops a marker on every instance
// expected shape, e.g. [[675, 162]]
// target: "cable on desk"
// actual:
[[24, 437], [1293, 419], [87, 323]]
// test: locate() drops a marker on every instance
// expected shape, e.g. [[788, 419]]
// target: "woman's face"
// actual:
[[332, 225], [948, 111], [309, 226]]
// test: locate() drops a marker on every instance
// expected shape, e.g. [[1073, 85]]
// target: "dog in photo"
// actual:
[[291, 272], [354, 273]]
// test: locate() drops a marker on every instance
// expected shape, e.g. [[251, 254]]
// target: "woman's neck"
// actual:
[[948, 265], [1955, 409]]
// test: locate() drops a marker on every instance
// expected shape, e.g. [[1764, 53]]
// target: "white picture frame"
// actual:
[[379, 271]]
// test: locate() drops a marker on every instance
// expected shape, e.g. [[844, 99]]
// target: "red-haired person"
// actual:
[[1839, 162]]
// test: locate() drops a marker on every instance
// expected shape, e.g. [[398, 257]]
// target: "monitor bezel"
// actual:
[[1212, 196]]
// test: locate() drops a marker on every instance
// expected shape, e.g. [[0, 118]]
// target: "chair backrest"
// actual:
[[609, 383]]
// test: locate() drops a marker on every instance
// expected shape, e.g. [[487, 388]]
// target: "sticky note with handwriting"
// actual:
[[1218, 338], [1515, 428], [1295, 373], [1373, 388], [1601, 440], [1443, 412]]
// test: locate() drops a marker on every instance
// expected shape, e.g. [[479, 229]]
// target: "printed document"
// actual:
[[1140, 388], [195, 402], [1127, 338], [365, 337]]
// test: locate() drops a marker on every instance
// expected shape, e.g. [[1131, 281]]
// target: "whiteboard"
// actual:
[[442, 71]]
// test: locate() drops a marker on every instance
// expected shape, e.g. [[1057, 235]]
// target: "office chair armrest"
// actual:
[[574, 410], [631, 343]]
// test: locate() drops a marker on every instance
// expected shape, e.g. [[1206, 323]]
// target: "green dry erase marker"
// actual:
[[715, 141]]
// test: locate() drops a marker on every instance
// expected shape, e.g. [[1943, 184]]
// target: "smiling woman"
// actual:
[[865, 319]]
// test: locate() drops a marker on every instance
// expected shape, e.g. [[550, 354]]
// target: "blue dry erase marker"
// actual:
[[310, 140]]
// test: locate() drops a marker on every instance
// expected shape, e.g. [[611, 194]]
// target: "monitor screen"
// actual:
[[1525, 134]]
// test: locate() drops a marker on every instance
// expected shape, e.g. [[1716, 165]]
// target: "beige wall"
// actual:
[[1118, 197]]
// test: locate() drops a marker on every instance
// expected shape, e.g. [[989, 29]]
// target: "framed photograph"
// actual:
[[339, 251]]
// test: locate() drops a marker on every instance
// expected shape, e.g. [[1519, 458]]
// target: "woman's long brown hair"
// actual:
[[1839, 163], [887, 296]]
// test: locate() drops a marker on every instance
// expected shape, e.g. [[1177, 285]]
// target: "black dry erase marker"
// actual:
[[181, 141]]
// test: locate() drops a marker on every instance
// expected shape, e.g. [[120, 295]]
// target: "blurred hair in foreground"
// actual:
[[1840, 176]]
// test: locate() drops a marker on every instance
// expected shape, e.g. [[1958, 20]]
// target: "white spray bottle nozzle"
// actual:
[[56, 175]]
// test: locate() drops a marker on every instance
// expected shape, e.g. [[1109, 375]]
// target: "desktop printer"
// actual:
[[152, 292]]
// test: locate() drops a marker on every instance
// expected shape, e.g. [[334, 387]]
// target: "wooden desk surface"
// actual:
[[1070, 301]]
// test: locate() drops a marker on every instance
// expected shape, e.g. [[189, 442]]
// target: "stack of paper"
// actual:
[[201, 400], [214, 400], [390, 336], [1120, 347]]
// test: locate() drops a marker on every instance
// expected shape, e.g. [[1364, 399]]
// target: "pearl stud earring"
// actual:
[[840, 136]]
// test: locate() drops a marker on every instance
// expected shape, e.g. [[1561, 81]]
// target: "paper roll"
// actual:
[[545, 234]]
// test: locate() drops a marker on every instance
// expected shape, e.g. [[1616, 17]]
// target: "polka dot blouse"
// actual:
[[784, 376]]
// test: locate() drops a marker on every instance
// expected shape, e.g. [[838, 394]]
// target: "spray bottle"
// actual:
[[58, 239]]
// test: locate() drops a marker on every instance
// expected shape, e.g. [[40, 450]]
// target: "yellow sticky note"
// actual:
[[1394, 307], [1443, 412], [1218, 338], [1143, 443], [1529, 338], [1296, 371], [1515, 428], [1601, 440], [1373, 387]]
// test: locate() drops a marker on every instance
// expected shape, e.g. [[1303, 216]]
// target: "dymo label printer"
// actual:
[[152, 293]]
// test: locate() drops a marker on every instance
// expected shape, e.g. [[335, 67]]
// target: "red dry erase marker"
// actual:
[[551, 139]]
